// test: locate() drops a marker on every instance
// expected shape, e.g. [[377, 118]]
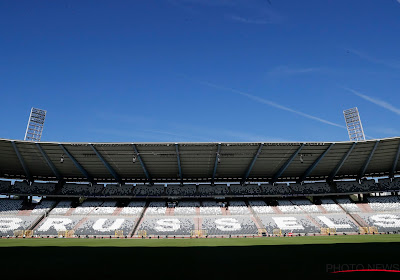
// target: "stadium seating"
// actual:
[[61, 208], [389, 185], [250, 189], [186, 208], [210, 208], [217, 190], [10, 206], [177, 190], [310, 188], [156, 208], [238, 208], [294, 223], [384, 203], [229, 225], [11, 223], [287, 207], [260, 207], [105, 226], [5, 186], [106, 208], [82, 190], [134, 208], [43, 207], [354, 186], [382, 221], [116, 190], [330, 206], [143, 190], [348, 206], [164, 225], [340, 222], [277, 189], [306, 205], [87, 207]]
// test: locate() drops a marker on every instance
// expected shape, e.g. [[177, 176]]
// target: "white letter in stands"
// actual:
[[58, 224], [386, 220], [227, 224], [9, 223], [331, 224], [98, 225], [167, 225], [287, 223]]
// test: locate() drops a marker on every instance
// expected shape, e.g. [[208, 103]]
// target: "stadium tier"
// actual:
[[188, 218], [198, 189]]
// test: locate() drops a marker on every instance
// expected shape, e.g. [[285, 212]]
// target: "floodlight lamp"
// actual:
[[301, 158], [62, 158], [218, 158], [134, 159]]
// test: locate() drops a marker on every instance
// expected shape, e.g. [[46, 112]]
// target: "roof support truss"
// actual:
[[315, 163], [146, 172], [340, 164], [49, 162], [365, 166], [179, 162], [22, 161], [246, 175], [77, 164], [396, 160], [286, 165], [107, 165], [217, 160]]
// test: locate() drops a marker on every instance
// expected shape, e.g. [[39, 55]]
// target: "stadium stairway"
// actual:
[[139, 220], [36, 223], [355, 218], [255, 217], [365, 207], [117, 211], [322, 209], [79, 223], [277, 210]]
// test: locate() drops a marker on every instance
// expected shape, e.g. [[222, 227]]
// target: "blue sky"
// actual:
[[200, 70]]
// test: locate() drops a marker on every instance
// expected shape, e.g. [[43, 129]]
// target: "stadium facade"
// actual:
[[199, 189]]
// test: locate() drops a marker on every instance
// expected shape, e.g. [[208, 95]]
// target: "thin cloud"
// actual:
[[365, 56], [248, 20], [286, 70], [268, 102], [376, 101]]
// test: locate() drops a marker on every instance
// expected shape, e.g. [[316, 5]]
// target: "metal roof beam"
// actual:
[[246, 175], [217, 160], [107, 165], [286, 165], [146, 172], [396, 160], [340, 164], [77, 164], [365, 166], [315, 163], [179, 161], [49, 162], [22, 162]]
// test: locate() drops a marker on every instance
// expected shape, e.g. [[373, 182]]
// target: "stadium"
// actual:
[[199, 139], [255, 192]]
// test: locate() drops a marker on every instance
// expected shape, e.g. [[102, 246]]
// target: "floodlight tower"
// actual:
[[35, 125], [353, 124]]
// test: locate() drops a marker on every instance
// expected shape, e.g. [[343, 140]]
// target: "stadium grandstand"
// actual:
[[181, 190]]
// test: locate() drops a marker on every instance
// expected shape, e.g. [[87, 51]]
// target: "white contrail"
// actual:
[[378, 102], [270, 103]]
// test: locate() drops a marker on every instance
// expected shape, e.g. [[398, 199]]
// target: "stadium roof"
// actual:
[[198, 162]]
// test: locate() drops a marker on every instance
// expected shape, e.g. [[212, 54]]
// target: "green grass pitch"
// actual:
[[214, 258]]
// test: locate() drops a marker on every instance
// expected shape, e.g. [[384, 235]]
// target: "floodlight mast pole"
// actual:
[[35, 125], [354, 125]]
